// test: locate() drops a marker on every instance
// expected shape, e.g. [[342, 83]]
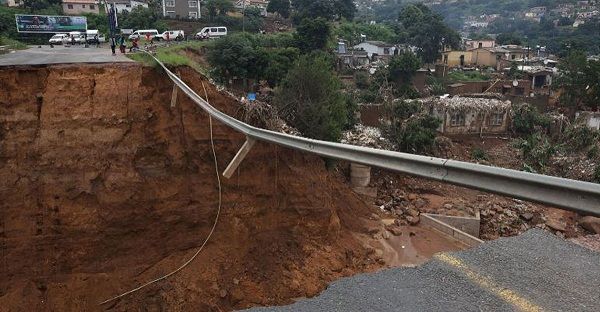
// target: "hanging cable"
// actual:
[[212, 143]]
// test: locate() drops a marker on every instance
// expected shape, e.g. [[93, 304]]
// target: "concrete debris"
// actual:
[[367, 137], [460, 104]]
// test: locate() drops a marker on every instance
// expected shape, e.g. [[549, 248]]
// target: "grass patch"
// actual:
[[172, 56], [458, 76], [12, 44]]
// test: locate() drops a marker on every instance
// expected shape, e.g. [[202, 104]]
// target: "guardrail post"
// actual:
[[241, 154], [174, 94]]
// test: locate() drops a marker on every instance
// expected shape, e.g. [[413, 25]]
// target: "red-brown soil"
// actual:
[[105, 186]]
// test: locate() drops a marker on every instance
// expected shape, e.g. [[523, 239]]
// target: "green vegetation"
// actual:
[[410, 130], [527, 120], [12, 44], [352, 31], [282, 7], [310, 99], [252, 56], [458, 76], [537, 149], [579, 81], [419, 26], [479, 154], [313, 34]]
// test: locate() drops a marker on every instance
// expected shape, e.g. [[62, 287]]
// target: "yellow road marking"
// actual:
[[505, 294]]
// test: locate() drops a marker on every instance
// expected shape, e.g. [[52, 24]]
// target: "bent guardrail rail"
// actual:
[[578, 196]]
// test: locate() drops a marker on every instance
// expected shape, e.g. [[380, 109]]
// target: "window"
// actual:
[[92, 7], [193, 14], [214, 30], [192, 4], [222, 29], [386, 51], [481, 45], [83, 6], [457, 119], [128, 5], [170, 3], [496, 119], [512, 57], [170, 14], [70, 6]]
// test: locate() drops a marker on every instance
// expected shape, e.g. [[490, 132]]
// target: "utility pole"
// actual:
[[243, 15]]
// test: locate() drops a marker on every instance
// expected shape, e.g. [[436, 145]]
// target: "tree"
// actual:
[[282, 7], [352, 32], [327, 9], [579, 81], [235, 56], [421, 27], [310, 99], [412, 131], [141, 18], [313, 34], [401, 70], [218, 7], [508, 38]]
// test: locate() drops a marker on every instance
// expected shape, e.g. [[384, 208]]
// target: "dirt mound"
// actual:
[[105, 186]]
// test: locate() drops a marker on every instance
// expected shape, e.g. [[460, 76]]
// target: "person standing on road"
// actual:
[[122, 43], [113, 45], [97, 40], [72, 40], [168, 37]]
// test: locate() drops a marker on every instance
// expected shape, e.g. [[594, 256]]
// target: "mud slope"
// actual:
[[104, 186]]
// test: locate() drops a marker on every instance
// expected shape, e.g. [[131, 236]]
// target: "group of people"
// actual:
[[120, 41]]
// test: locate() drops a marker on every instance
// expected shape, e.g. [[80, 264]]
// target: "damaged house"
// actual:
[[470, 115]]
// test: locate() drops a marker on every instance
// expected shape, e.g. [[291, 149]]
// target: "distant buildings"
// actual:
[[127, 5], [75, 7], [186, 9]]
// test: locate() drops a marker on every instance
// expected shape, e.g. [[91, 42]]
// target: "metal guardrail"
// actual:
[[578, 196]]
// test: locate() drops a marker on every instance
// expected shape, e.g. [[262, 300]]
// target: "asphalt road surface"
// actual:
[[62, 55], [533, 272]]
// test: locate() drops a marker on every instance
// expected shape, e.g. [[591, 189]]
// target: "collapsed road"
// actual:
[[535, 271]]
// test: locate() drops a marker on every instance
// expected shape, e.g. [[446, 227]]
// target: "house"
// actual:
[[376, 49], [470, 115], [181, 9], [475, 44], [260, 4], [13, 3], [539, 76], [126, 5], [454, 58], [74, 7]]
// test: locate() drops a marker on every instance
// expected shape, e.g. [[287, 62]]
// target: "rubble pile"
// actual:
[[366, 136], [461, 104]]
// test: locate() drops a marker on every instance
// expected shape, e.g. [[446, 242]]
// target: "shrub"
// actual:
[[596, 177], [361, 79], [580, 137], [411, 131], [310, 99], [537, 149], [527, 119], [479, 154]]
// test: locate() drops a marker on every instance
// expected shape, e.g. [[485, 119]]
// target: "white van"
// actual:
[[212, 32], [141, 34], [178, 35], [58, 39]]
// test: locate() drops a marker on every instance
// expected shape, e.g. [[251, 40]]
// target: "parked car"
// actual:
[[93, 36], [142, 34], [211, 32], [178, 35], [57, 39], [78, 36]]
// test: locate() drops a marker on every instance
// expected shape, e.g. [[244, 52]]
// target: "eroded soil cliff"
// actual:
[[104, 186]]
